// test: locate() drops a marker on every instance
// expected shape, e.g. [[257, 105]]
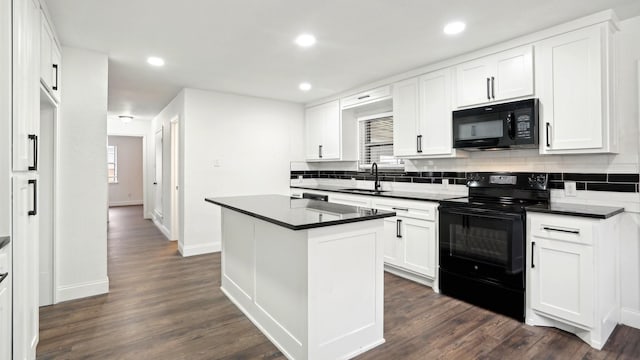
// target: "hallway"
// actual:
[[164, 306]]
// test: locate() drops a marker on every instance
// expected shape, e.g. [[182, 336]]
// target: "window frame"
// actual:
[[369, 118], [112, 179]]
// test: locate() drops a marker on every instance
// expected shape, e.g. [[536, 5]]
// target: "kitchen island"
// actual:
[[307, 273]]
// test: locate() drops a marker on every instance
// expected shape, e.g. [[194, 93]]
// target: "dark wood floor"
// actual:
[[163, 306]]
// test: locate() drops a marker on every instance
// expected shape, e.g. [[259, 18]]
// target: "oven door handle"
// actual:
[[482, 213]]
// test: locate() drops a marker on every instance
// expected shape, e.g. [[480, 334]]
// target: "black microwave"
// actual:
[[501, 126]]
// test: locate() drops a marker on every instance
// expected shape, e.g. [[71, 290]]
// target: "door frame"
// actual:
[[175, 177], [145, 200]]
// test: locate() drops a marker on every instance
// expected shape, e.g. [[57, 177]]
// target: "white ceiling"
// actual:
[[246, 46]]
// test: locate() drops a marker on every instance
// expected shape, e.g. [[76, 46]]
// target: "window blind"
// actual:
[[376, 142]]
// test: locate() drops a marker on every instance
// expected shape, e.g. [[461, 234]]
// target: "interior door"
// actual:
[[157, 182]]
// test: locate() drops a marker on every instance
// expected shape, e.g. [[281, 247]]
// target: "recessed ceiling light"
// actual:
[[155, 61], [126, 118], [305, 86], [305, 40], [455, 27]]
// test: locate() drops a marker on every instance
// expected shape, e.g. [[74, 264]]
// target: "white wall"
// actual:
[[128, 189], [82, 204], [251, 139]]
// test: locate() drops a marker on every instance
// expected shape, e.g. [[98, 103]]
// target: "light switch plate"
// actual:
[[570, 188]]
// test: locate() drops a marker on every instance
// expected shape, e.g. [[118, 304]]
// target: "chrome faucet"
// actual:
[[374, 172]]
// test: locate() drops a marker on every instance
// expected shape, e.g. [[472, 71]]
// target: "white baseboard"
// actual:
[[162, 229], [199, 249], [125, 203], [630, 317], [82, 290]]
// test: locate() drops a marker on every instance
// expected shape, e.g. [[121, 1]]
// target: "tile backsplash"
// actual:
[[614, 182]]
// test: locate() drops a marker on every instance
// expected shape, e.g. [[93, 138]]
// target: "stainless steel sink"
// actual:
[[368, 191]]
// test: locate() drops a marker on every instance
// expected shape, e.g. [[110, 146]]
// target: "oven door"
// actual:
[[483, 244]]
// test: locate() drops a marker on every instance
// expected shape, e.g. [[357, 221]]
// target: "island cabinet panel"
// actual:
[[315, 293]]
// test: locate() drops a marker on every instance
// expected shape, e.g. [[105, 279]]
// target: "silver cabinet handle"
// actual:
[[398, 228], [488, 89], [548, 126], [577, 232]]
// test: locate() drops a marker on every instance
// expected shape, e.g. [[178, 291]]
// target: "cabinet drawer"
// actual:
[[366, 97], [563, 228], [417, 209], [353, 200]]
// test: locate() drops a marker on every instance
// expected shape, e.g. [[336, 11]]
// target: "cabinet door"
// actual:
[[25, 265], [5, 320], [569, 83], [405, 117], [513, 74], [435, 113], [313, 132], [392, 242], [26, 84], [45, 53], [331, 136], [562, 280], [56, 68], [419, 246], [474, 82]]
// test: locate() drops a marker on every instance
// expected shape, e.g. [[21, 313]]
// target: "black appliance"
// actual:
[[482, 240], [502, 126]]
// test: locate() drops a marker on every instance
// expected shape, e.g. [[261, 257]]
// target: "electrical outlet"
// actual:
[[570, 188], [445, 183]]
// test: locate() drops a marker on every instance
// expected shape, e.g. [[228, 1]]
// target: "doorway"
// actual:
[[47, 198], [175, 179]]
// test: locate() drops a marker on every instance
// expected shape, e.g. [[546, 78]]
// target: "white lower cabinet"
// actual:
[[5, 303], [24, 240], [571, 272], [410, 238]]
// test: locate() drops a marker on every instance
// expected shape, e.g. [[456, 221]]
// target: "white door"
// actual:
[[474, 82], [331, 132], [157, 182], [514, 73], [569, 83], [392, 242], [419, 237], [313, 132], [435, 113], [406, 111], [562, 280], [25, 266]]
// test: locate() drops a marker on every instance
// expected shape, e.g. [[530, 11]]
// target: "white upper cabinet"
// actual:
[[405, 118], [422, 116], [502, 76], [572, 82], [322, 132], [50, 65], [26, 96], [366, 97]]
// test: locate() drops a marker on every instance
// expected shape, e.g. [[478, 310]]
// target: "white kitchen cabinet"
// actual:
[[326, 136], [410, 238], [26, 84], [366, 97], [571, 272], [5, 302], [422, 116], [573, 74], [25, 265], [50, 59], [498, 77]]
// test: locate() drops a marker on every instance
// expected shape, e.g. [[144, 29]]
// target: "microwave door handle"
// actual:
[[511, 130]]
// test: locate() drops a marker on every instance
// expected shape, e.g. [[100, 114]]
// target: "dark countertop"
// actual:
[[4, 241], [590, 211], [390, 194], [298, 214]]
